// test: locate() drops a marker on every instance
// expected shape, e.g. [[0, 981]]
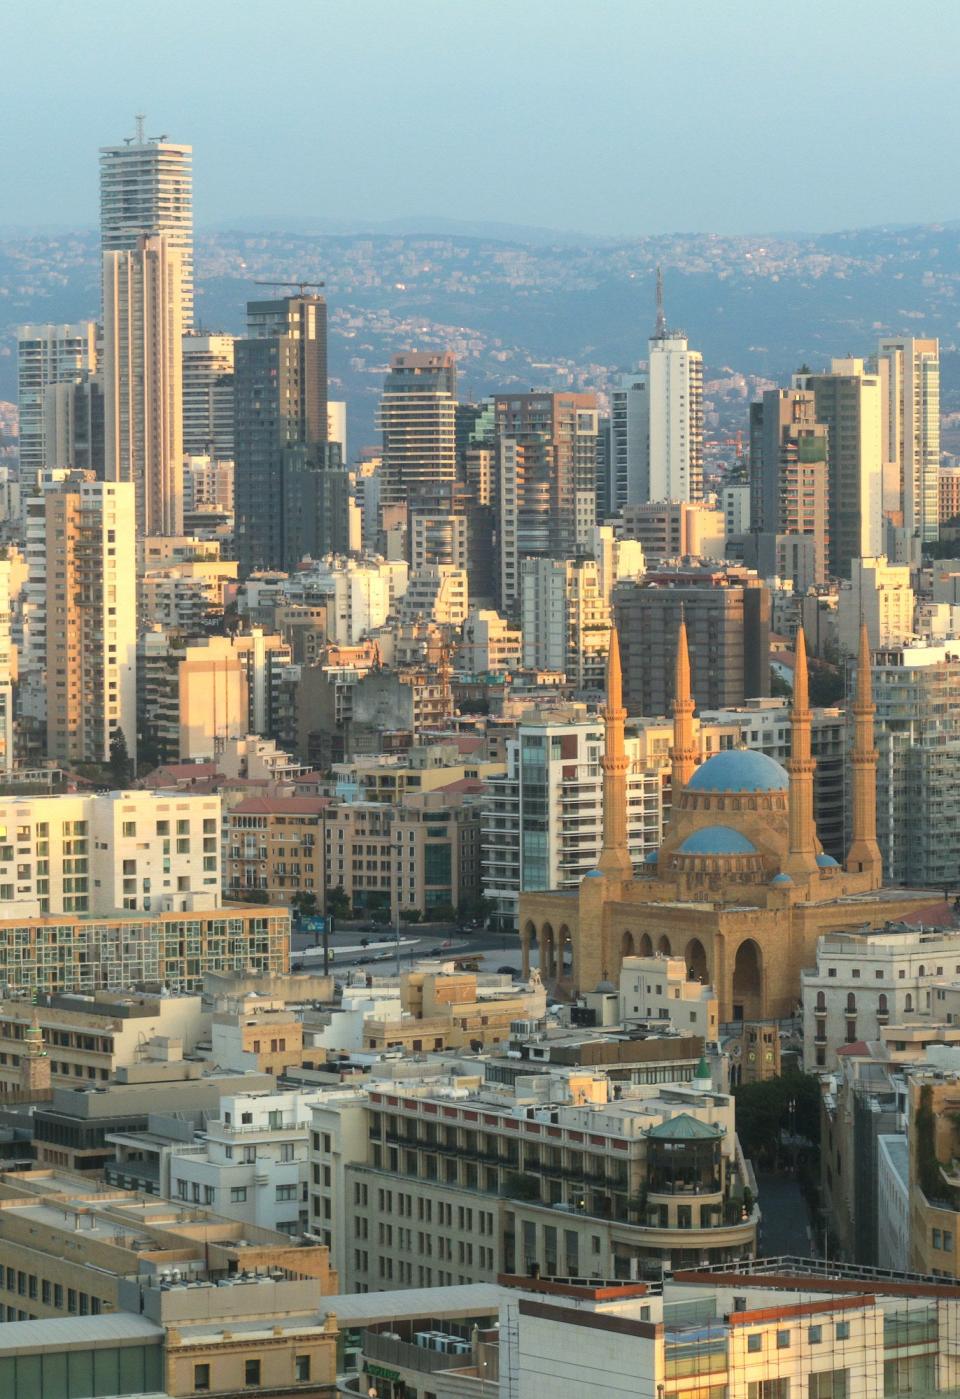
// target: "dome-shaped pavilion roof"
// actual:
[[717, 840], [739, 770]]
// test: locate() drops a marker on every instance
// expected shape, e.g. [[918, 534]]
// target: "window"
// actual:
[[286, 1192], [815, 1335], [301, 1368], [937, 1239], [251, 1372], [201, 1377], [827, 1384], [843, 1330], [755, 1341], [769, 1389], [783, 1340], [238, 1194]]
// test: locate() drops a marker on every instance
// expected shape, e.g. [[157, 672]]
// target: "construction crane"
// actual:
[[290, 282]]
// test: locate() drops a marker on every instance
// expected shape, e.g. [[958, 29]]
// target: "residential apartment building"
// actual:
[[436, 593], [880, 594], [456, 1186], [143, 304], [674, 529], [949, 493], [47, 355], [790, 483], [208, 396], [916, 691], [727, 613], [565, 620], [275, 845], [661, 988], [417, 417], [909, 371], [109, 852], [452, 1010], [98, 952], [78, 615], [864, 982], [490, 644]]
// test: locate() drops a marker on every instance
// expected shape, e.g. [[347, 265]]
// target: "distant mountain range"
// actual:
[[531, 307]]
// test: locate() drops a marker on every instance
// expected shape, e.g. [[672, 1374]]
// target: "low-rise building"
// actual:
[[660, 988]]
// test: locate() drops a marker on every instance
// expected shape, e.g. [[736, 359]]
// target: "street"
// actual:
[[784, 1225]]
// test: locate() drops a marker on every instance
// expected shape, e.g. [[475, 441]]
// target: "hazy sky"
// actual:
[[610, 116]]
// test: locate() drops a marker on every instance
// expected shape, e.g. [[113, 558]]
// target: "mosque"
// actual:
[[740, 887]]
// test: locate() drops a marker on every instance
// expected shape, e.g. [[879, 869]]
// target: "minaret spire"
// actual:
[[614, 857], [660, 329], [864, 852], [802, 855], [683, 754]]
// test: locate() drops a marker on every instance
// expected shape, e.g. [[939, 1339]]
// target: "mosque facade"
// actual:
[[741, 887]]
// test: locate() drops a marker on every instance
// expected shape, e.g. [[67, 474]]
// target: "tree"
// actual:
[[337, 902], [305, 902], [121, 768], [764, 1111]]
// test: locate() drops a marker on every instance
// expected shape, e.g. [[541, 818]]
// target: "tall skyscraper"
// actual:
[[656, 422], [848, 403], [208, 396], [7, 671], [418, 413], [47, 355], [790, 484], [546, 447], [143, 380], [909, 372], [83, 570], [280, 426], [146, 188]]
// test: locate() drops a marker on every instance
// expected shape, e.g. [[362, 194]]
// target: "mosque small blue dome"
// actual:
[[781, 879], [717, 840], [739, 770], [593, 874], [651, 857], [827, 862]]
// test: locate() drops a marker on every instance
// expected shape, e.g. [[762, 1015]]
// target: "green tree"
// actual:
[[337, 902], [764, 1111], [121, 768]]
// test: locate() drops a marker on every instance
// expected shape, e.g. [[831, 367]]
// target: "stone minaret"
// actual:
[[34, 1062], [802, 855], [614, 857], [683, 754], [864, 852]]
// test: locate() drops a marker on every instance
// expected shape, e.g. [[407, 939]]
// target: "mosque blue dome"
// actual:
[[717, 840], [593, 874], [739, 770], [827, 862], [781, 879], [651, 857]]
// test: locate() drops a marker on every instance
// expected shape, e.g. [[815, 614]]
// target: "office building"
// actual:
[[83, 586], [146, 189], [847, 402], [143, 379], [909, 371], [47, 355], [208, 396], [280, 426], [656, 422], [73, 425], [727, 612], [417, 417]]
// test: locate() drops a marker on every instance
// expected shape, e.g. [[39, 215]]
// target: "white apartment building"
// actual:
[[490, 644], [628, 418], [735, 504], [617, 559], [542, 820], [46, 355], [207, 481], [146, 188], [565, 620], [109, 852], [661, 988], [208, 396], [252, 1164], [864, 982], [436, 593], [878, 593], [909, 370], [8, 662]]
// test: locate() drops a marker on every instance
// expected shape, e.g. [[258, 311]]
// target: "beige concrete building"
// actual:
[[87, 649], [879, 593], [143, 309], [448, 1010], [674, 529], [489, 643], [276, 845], [666, 988]]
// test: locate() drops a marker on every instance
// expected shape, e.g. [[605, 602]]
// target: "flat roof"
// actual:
[[83, 1332]]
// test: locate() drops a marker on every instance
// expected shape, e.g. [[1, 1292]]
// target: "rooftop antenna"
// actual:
[[660, 329], [140, 119]]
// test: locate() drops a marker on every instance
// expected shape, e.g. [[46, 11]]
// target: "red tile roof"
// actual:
[[278, 806]]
